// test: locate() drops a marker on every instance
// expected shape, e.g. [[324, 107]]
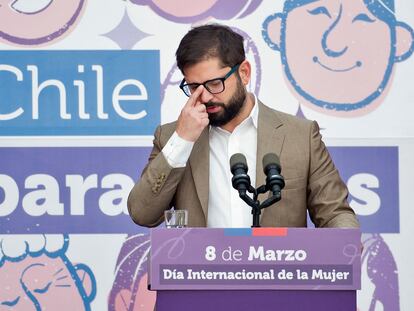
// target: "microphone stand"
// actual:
[[255, 204]]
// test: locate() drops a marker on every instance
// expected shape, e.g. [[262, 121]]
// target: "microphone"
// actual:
[[238, 167], [271, 167]]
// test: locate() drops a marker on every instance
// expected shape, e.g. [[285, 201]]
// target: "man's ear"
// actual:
[[245, 72], [404, 41], [87, 279], [271, 30]]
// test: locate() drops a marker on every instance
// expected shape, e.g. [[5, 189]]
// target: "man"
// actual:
[[189, 165]]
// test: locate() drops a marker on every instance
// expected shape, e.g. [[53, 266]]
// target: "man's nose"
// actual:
[[206, 96]]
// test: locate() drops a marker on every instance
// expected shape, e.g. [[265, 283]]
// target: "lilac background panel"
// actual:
[[383, 163], [19, 163]]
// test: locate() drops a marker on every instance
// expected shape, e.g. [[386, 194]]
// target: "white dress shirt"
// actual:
[[225, 208]]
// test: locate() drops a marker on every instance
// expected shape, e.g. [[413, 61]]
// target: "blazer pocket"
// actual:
[[295, 183]]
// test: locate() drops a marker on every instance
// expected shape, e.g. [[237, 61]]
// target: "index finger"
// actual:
[[192, 101]]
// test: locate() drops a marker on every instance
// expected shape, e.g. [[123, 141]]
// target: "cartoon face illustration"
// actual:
[[42, 279], [27, 22], [129, 291], [187, 11], [381, 282], [339, 55]]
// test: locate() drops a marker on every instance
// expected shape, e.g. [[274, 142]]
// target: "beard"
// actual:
[[229, 111]]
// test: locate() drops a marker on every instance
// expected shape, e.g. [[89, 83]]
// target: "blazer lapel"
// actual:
[[200, 166], [270, 138]]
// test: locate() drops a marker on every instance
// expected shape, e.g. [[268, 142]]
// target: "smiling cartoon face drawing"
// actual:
[[35, 274], [339, 55]]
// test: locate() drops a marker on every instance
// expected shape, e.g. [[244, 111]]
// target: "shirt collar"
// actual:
[[254, 114]]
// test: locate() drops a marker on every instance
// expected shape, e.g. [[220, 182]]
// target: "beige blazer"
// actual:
[[312, 181]]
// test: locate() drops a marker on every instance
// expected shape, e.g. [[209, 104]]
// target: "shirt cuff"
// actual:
[[177, 151]]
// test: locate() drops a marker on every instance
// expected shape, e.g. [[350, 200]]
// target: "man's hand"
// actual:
[[193, 117]]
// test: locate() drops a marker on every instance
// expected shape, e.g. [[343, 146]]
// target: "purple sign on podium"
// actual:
[[255, 259]]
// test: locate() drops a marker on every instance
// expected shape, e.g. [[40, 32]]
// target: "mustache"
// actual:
[[212, 104]]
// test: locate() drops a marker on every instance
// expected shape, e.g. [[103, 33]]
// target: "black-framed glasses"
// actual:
[[214, 86]]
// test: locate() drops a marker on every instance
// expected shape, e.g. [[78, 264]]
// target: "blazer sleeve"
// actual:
[[155, 191], [327, 193]]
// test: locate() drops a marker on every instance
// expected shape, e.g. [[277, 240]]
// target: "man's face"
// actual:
[[222, 107], [230, 110], [336, 52]]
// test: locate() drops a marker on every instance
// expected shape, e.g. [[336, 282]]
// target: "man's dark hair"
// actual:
[[208, 41]]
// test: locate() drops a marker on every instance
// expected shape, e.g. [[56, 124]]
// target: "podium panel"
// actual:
[[255, 268], [256, 300]]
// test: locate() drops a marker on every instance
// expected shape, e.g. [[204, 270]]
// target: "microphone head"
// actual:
[[238, 160], [271, 159]]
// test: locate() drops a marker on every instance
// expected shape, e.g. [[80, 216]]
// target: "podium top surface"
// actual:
[[255, 258]]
